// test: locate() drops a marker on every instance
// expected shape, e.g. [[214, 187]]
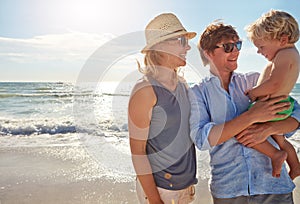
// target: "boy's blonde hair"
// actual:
[[273, 25]]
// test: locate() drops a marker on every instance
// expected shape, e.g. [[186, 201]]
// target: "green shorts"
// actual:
[[287, 112]]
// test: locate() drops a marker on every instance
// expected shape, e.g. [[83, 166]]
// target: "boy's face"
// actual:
[[267, 48]]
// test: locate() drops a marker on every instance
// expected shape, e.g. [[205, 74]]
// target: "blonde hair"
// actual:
[[214, 34], [273, 25], [151, 60]]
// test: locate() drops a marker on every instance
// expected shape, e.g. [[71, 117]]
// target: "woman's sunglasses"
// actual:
[[183, 40], [228, 47]]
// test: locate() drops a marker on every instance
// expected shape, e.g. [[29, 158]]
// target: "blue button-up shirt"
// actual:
[[236, 170]]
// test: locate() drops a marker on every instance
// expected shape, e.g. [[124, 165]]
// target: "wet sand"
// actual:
[[37, 175]]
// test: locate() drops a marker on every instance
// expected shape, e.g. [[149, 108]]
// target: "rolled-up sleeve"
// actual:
[[296, 116], [200, 123]]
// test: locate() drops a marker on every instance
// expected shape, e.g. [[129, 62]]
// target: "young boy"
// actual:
[[275, 35]]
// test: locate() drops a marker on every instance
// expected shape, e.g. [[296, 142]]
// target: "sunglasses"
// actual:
[[228, 47], [183, 40]]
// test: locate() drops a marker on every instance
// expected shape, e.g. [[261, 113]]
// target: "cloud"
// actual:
[[62, 57], [55, 47]]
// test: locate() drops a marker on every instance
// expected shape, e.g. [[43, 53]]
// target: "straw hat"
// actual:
[[163, 27]]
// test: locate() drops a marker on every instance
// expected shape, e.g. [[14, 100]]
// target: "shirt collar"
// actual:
[[213, 76]]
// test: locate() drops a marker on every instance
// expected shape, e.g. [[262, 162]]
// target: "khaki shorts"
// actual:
[[183, 196]]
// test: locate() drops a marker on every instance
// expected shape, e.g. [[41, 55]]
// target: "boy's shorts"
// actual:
[[287, 112]]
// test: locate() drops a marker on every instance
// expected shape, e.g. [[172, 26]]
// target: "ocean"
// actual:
[[43, 115], [90, 116]]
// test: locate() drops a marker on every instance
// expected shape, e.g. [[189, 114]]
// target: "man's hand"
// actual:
[[254, 134], [250, 95], [267, 109]]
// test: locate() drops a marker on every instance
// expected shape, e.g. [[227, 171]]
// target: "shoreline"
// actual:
[[35, 175]]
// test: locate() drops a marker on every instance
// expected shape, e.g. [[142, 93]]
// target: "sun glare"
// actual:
[[89, 14]]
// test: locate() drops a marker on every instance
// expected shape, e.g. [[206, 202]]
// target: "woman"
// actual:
[[219, 117], [162, 151]]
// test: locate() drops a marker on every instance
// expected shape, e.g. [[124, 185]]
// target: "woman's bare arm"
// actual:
[[139, 115]]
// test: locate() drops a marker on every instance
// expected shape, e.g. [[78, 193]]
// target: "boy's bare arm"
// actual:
[[283, 76]]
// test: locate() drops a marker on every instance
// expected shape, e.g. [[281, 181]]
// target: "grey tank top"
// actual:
[[169, 148]]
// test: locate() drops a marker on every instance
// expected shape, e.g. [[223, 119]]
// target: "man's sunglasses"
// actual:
[[228, 47], [183, 40]]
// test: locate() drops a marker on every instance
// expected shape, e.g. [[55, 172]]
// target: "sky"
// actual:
[[55, 40]]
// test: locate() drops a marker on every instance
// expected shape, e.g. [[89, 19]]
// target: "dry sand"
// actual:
[[35, 175]]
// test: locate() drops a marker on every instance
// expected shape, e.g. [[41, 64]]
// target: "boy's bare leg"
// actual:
[[292, 158], [277, 156]]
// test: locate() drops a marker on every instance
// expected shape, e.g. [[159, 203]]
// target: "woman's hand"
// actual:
[[266, 109]]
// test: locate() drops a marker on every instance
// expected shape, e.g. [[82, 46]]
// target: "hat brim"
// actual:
[[189, 35]]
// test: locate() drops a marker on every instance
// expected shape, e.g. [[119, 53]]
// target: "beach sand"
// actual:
[[38, 175]]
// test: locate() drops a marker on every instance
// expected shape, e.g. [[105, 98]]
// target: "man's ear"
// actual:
[[204, 56], [207, 55]]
